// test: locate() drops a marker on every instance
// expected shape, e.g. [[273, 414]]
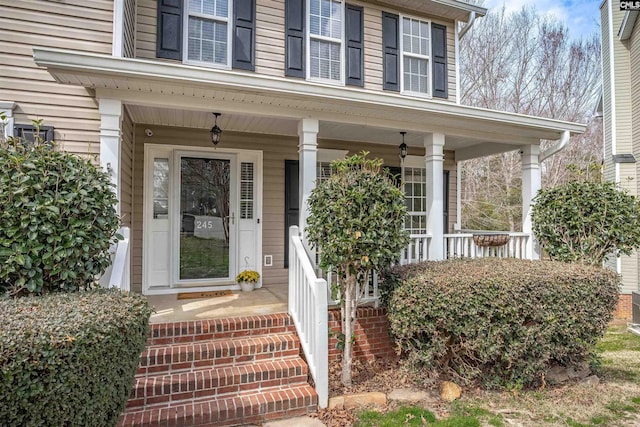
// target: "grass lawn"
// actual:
[[203, 258], [615, 401]]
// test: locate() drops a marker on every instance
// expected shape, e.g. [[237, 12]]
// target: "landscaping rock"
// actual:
[[359, 400], [559, 374], [409, 395], [591, 380], [450, 391]]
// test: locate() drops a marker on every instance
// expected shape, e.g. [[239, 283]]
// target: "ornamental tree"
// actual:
[[586, 221], [356, 223]]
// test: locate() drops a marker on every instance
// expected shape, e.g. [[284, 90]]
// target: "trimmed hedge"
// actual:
[[503, 322], [69, 359]]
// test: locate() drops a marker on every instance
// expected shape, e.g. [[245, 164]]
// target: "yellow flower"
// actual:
[[365, 258], [358, 234], [250, 276]]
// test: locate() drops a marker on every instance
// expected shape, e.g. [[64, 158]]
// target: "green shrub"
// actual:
[[586, 221], [58, 219], [69, 359], [501, 321]]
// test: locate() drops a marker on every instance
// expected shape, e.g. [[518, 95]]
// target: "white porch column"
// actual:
[[308, 153], [434, 160], [531, 183], [110, 132]]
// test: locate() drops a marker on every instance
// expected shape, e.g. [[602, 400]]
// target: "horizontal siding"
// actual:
[[270, 40], [75, 24], [126, 171], [276, 149], [622, 83]]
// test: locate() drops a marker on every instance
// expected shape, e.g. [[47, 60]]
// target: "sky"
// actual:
[[581, 17]]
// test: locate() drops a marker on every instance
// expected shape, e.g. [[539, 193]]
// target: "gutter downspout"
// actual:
[[554, 149], [472, 19]]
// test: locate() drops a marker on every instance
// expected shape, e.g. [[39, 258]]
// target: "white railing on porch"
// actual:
[[417, 250], [117, 275], [366, 294], [308, 308], [461, 245]]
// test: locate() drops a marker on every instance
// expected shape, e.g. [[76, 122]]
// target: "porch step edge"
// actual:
[[178, 357], [169, 388], [245, 408]]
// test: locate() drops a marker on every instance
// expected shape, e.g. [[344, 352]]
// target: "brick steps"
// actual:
[[245, 408], [216, 353], [217, 382], [220, 372]]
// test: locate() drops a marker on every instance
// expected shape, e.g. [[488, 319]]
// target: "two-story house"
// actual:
[[291, 84], [621, 120], [216, 119]]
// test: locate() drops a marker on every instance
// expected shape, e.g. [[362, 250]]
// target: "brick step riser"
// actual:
[[175, 388], [166, 333], [229, 411], [154, 361]]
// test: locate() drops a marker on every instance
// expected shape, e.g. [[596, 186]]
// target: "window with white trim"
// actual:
[[416, 54], [326, 25], [415, 190], [208, 32]]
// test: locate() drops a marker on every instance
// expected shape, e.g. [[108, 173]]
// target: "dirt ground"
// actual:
[[613, 401]]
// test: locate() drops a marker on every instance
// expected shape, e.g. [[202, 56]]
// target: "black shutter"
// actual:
[[244, 30], [439, 52], [295, 39], [390, 46], [355, 45], [169, 37], [291, 202]]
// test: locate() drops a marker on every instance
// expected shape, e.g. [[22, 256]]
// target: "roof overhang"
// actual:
[[162, 85], [628, 22], [451, 9]]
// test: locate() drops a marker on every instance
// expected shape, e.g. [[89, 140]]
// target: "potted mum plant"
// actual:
[[247, 280]]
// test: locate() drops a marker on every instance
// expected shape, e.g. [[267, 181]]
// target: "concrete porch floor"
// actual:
[[265, 300]]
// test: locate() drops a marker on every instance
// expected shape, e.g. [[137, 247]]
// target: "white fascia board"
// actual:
[[628, 22], [479, 10], [106, 65]]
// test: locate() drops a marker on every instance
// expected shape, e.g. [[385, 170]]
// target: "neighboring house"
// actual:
[[621, 115], [297, 84]]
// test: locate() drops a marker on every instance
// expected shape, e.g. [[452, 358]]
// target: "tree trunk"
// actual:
[[348, 323]]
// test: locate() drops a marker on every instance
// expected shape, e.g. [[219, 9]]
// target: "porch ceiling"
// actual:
[[236, 122], [258, 103]]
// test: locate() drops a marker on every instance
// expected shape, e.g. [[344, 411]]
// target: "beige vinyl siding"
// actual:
[[622, 84], [276, 149], [270, 40], [126, 170], [75, 24], [146, 29]]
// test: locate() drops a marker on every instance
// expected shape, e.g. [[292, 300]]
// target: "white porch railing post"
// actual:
[[531, 183], [434, 160], [308, 309], [120, 277]]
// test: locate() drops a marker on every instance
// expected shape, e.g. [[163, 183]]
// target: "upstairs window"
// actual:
[[209, 32], [213, 33], [416, 51], [325, 39]]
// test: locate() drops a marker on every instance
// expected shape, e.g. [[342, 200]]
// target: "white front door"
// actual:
[[201, 218]]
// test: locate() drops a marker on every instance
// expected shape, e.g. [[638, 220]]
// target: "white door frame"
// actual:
[[173, 153]]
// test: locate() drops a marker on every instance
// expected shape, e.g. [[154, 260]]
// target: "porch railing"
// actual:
[[462, 245], [117, 276], [417, 250], [308, 308], [366, 294]]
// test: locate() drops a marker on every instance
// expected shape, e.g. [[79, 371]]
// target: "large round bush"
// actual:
[[503, 322], [57, 219]]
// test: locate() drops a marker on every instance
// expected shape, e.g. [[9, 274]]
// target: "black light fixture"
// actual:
[[403, 146], [216, 132]]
